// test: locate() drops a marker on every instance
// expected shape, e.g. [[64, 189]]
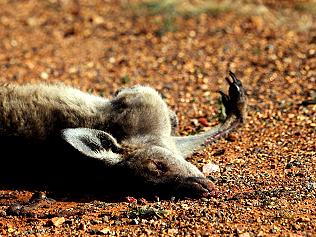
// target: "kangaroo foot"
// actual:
[[236, 101]]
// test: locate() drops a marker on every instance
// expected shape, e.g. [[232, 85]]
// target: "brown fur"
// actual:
[[38, 111], [130, 133]]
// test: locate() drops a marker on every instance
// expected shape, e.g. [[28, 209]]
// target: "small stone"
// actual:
[[258, 22], [204, 87], [219, 152], [134, 222], [95, 222], [204, 122], [82, 226], [90, 65], [112, 60], [104, 231], [291, 116], [98, 20], [210, 168], [73, 70], [303, 219], [44, 75], [3, 213], [239, 161], [195, 122], [240, 230], [311, 186], [172, 231], [261, 233], [14, 43], [56, 221], [246, 234], [192, 33], [275, 229], [232, 137], [118, 222], [105, 219], [185, 206]]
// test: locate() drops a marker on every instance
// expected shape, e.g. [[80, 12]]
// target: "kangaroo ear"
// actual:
[[94, 143]]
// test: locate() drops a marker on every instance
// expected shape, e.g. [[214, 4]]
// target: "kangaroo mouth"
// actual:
[[181, 187], [191, 187], [197, 187]]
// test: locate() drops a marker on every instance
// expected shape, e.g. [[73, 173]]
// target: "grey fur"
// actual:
[[131, 133]]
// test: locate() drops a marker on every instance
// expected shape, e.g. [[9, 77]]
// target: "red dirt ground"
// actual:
[[267, 167]]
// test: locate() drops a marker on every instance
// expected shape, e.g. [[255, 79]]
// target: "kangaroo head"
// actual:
[[140, 110], [145, 162]]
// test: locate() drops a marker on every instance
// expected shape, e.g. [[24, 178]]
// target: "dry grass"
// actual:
[[170, 9]]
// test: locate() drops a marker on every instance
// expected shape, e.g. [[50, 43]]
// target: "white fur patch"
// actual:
[[108, 156], [74, 137]]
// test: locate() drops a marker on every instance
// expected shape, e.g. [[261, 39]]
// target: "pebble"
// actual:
[[44, 75], [303, 219], [311, 186], [56, 221], [135, 222], [204, 122], [210, 168], [95, 222], [105, 219], [246, 234], [82, 226], [232, 137], [104, 231], [3, 213]]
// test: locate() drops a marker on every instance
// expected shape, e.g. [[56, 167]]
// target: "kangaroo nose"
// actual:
[[200, 187], [211, 188], [206, 187]]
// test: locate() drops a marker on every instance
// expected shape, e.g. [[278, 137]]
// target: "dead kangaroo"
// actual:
[[126, 141]]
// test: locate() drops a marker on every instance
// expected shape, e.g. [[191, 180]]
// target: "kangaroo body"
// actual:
[[128, 138], [38, 111]]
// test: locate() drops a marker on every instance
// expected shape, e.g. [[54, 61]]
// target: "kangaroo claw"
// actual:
[[235, 101]]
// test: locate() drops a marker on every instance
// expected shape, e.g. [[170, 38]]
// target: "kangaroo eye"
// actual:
[[156, 167], [161, 166], [118, 91]]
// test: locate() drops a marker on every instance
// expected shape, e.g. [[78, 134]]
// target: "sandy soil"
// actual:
[[267, 168]]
